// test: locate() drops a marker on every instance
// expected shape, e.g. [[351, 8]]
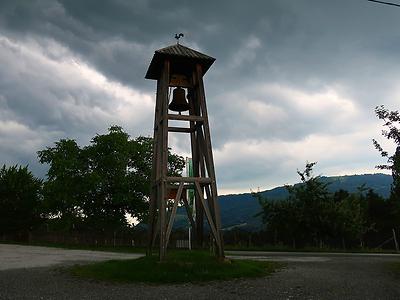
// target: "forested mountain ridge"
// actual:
[[238, 210]]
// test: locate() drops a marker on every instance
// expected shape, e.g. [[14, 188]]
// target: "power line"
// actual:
[[387, 3]]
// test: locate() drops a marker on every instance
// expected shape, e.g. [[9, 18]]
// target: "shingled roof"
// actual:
[[179, 53]]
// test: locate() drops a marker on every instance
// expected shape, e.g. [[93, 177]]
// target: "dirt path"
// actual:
[[311, 277]]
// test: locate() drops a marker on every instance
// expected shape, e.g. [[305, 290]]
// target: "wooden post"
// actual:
[[154, 195], [209, 156], [164, 158], [395, 240]]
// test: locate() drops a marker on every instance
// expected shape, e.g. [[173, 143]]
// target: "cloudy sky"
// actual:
[[294, 80]]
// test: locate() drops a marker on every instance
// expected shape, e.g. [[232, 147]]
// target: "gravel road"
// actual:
[[19, 256], [307, 276]]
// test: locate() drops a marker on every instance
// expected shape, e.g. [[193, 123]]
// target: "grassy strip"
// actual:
[[394, 268], [179, 267]]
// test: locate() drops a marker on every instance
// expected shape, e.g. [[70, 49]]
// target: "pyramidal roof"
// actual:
[[179, 53], [179, 50]]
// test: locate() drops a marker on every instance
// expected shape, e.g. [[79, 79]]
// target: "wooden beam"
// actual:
[[156, 231], [173, 213], [180, 129], [164, 157], [189, 179], [195, 119], [192, 118], [156, 164], [208, 215], [185, 186], [209, 157], [188, 212]]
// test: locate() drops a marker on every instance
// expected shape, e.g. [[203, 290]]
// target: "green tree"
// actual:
[[281, 218], [381, 218], [116, 184], [64, 189], [307, 215], [20, 199], [352, 217], [98, 185], [391, 132], [315, 205], [311, 215]]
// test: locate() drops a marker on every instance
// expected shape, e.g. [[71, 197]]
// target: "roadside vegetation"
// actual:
[[94, 192], [312, 216], [179, 267]]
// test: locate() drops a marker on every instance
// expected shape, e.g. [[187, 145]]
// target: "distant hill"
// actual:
[[238, 210]]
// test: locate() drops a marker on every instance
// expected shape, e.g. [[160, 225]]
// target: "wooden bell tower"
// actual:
[[179, 71]]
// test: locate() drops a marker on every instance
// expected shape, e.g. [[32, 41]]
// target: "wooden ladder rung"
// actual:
[[189, 179], [180, 129], [185, 118]]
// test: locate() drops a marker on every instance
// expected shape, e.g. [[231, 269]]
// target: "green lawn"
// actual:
[[394, 268], [179, 267]]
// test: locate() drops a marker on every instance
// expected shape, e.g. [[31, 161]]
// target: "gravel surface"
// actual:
[[20, 256], [335, 277]]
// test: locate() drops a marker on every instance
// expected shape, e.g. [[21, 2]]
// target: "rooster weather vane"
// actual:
[[178, 36]]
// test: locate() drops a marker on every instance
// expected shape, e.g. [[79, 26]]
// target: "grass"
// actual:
[[179, 267], [394, 268]]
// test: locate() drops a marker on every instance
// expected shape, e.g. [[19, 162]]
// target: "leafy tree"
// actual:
[[116, 184], [392, 132], [312, 215], [20, 199], [281, 218], [306, 215], [315, 205], [64, 189], [381, 217], [353, 217], [98, 185], [340, 195]]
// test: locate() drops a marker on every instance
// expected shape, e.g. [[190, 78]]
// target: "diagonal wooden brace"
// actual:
[[173, 213]]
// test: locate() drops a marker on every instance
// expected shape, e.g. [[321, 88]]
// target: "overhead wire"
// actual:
[[384, 2]]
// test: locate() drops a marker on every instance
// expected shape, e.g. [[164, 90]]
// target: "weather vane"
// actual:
[[178, 36]]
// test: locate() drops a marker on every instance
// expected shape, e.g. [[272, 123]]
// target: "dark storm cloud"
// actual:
[[118, 37], [301, 75], [297, 39]]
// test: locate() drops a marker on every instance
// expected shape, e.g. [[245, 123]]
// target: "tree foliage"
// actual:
[[305, 214], [20, 200], [98, 185], [313, 216], [391, 132], [63, 190]]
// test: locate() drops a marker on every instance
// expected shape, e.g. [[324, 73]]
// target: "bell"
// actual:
[[179, 102]]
